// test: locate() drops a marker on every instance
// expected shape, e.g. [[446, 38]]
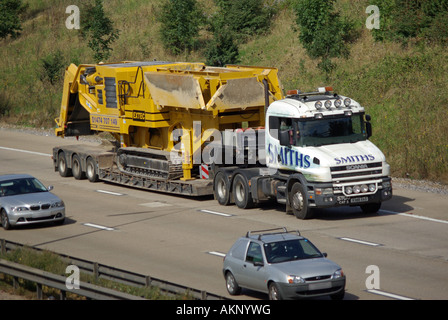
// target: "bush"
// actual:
[[222, 50], [99, 30], [10, 11], [323, 33], [180, 23], [52, 66]]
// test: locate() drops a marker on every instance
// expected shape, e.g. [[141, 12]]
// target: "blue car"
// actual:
[[282, 264], [25, 200]]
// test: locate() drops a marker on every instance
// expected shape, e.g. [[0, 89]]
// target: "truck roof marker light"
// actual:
[[324, 89], [292, 92]]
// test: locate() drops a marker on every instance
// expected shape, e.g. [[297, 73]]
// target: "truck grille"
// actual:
[[350, 171]]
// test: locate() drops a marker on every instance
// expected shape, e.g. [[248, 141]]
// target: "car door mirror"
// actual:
[[258, 263], [50, 188]]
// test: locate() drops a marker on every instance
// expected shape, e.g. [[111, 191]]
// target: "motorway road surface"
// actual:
[[181, 240]]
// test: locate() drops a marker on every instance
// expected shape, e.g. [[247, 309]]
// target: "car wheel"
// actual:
[[5, 220], [241, 192], [274, 292], [338, 296], [232, 286], [91, 171], [297, 200], [77, 168], [221, 189], [64, 170]]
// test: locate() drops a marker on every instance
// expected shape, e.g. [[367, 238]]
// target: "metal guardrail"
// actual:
[[98, 271]]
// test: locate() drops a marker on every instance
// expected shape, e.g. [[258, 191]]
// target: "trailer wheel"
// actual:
[[241, 192], [297, 200], [64, 170], [91, 171], [222, 189], [77, 168]]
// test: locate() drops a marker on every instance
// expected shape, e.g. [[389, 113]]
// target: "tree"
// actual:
[[180, 23], [323, 33], [99, 30], [10, 11], [222, 50], [245, 18]]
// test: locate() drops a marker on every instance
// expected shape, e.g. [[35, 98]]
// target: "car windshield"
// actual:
[[331, 130], [290, 250], [21, 186]]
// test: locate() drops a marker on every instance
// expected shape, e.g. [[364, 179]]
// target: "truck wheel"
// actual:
[[64, 170], [78, 174], [297, 200], [371, 207], [221, 189], [91, 171], [241, 192]]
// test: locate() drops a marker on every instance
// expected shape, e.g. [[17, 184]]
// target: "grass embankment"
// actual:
[[402, 87], [51, 262]]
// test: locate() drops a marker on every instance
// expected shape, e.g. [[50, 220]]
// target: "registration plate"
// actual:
[[319, 286], [360, 199]]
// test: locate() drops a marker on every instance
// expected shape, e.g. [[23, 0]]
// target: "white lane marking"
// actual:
[[155, 204], [216, 253], [414, 216], [361, 242], [26, 151], [390, 295], [98, 226], [216, 213], [110, 192]]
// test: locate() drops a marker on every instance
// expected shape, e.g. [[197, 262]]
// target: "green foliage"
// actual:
[[401, 20], [222, 49], [52, 66], [10, 11], [180, 23], [98, 29], [323, 33], [244, 18]]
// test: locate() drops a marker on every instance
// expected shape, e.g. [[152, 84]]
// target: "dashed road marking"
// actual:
[[387, 294], [367, 243], [98, 226], [216, 213]]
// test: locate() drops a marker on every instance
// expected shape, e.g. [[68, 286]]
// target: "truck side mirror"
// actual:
[[368, 126]]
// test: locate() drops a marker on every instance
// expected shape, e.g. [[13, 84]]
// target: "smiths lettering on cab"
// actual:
[[354, 159]]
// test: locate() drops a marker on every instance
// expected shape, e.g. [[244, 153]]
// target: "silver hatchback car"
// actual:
[[25, 200], [283, 264]]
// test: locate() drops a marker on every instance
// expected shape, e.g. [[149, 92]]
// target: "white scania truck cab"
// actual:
[[318, 156]]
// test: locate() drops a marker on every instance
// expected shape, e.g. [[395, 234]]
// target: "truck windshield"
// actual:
[[331, 130]]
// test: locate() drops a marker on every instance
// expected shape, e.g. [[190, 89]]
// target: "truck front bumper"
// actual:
[[325, 195]]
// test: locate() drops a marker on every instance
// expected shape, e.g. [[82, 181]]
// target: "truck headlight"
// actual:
[[295, 279]]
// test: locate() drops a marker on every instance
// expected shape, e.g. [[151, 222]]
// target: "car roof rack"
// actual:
[[273, 231]]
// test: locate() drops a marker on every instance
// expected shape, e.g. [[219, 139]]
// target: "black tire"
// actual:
[[5, 220], [241, 192], [299, 203], [232, 286], [274, 292], [338, 296], [64, 170], [91, 170], [221, 189], [78, 174], [371, 208]]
